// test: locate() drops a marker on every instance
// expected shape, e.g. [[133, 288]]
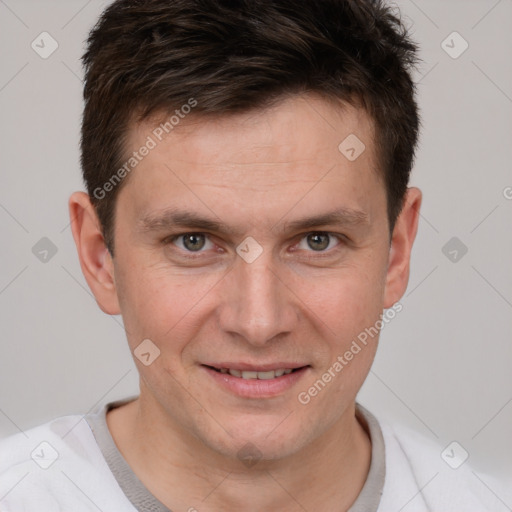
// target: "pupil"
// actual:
[[193, 241], [316, 238]]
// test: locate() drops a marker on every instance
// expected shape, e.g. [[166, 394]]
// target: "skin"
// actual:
[[255, 172]]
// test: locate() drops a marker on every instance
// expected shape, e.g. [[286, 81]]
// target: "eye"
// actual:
[[318, 241], [192, 242]]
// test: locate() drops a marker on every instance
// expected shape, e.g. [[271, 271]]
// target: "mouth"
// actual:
[[255, 374], [256, 381]]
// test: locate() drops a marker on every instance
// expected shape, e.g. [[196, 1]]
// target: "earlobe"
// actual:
[[402, 240], [95, 259]]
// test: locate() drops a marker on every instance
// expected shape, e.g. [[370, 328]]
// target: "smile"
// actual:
[[256, 381], [249, 374]]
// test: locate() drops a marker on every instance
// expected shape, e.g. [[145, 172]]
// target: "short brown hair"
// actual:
[[149, 56]]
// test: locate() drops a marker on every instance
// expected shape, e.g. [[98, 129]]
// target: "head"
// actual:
[[252, 116]]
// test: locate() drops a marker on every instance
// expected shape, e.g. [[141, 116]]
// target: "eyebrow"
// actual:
[[173, 218]]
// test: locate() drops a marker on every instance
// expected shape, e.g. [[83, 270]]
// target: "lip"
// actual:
[[257, 367], [256, 388]]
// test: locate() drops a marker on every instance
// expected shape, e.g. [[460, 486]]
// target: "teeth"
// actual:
[[264, 375], [258, 375]]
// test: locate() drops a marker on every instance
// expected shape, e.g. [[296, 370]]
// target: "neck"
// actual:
[[188, 475]]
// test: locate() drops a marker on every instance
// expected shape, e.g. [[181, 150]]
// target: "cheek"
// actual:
[[169, 307], [160, 305], [350, 306], [346, 301]]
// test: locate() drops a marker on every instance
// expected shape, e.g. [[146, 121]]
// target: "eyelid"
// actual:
[[341, 239], [172, 238]]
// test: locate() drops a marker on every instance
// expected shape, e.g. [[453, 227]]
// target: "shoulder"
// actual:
[[39, 446], [423, 474], [55, 466]]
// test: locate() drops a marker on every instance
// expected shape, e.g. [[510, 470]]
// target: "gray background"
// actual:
[[443, 366]]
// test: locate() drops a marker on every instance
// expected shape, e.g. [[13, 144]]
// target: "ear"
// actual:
[[402, 239], [95, 259]]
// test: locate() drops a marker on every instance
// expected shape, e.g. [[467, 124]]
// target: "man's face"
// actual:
[[298, 305]]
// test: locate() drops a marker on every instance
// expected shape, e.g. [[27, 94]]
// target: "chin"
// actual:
[[250, 451], [270, 439]]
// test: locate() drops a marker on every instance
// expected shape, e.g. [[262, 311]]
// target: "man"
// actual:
[[248, 215]]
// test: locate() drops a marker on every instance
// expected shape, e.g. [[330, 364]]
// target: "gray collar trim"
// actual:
[[140, 497]]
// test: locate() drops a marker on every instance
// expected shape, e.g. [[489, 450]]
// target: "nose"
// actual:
[[258, 305]]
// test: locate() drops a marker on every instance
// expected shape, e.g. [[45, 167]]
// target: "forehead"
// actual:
[[273, 155], [297, 127]]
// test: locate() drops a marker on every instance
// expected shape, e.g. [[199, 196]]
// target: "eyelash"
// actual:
[[194, 255]]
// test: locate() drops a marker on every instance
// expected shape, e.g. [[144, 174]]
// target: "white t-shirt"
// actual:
[[71, 464]]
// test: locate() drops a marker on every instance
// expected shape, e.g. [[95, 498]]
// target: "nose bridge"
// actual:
[[258, 308]]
